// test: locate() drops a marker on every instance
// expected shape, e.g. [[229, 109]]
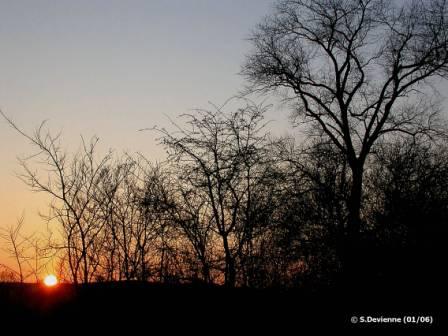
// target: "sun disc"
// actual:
[[50, 280]]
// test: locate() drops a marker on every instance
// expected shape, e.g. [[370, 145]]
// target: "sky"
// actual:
[[110, 68]]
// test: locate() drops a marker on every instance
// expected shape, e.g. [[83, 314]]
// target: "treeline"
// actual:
[[233, 205], [362, 198]]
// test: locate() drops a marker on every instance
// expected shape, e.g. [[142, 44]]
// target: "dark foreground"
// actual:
[[211, 310]]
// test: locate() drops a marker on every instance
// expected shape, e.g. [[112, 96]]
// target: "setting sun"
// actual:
[[50, 280]]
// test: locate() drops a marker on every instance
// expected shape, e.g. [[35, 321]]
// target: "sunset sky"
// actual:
[[177, 160], [110, 68]]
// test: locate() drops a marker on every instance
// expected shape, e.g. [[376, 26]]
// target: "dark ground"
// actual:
[[209, 310]]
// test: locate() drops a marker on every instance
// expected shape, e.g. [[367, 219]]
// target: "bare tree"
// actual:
[[188, 211], [71, 182], [217, 154], [16, 245], [355, 70]]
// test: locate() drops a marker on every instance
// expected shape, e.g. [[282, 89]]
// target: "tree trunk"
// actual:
[[354, 203], [205, 270], [350, 238], [230, 273], [85, 266]]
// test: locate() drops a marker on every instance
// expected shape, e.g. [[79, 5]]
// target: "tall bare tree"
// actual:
[[217, 154], [355, 71], [71, 182]]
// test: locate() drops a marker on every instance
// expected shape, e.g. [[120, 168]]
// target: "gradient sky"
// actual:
[[110, 68]]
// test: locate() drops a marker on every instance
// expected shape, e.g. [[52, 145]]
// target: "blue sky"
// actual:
[[105, 66]]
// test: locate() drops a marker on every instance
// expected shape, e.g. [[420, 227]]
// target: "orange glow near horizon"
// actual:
[[50, 280]]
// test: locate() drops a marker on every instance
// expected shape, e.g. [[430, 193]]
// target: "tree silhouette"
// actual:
[[221, 154], [71, 182], [354, 71], [407, 197], [16, 245]]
